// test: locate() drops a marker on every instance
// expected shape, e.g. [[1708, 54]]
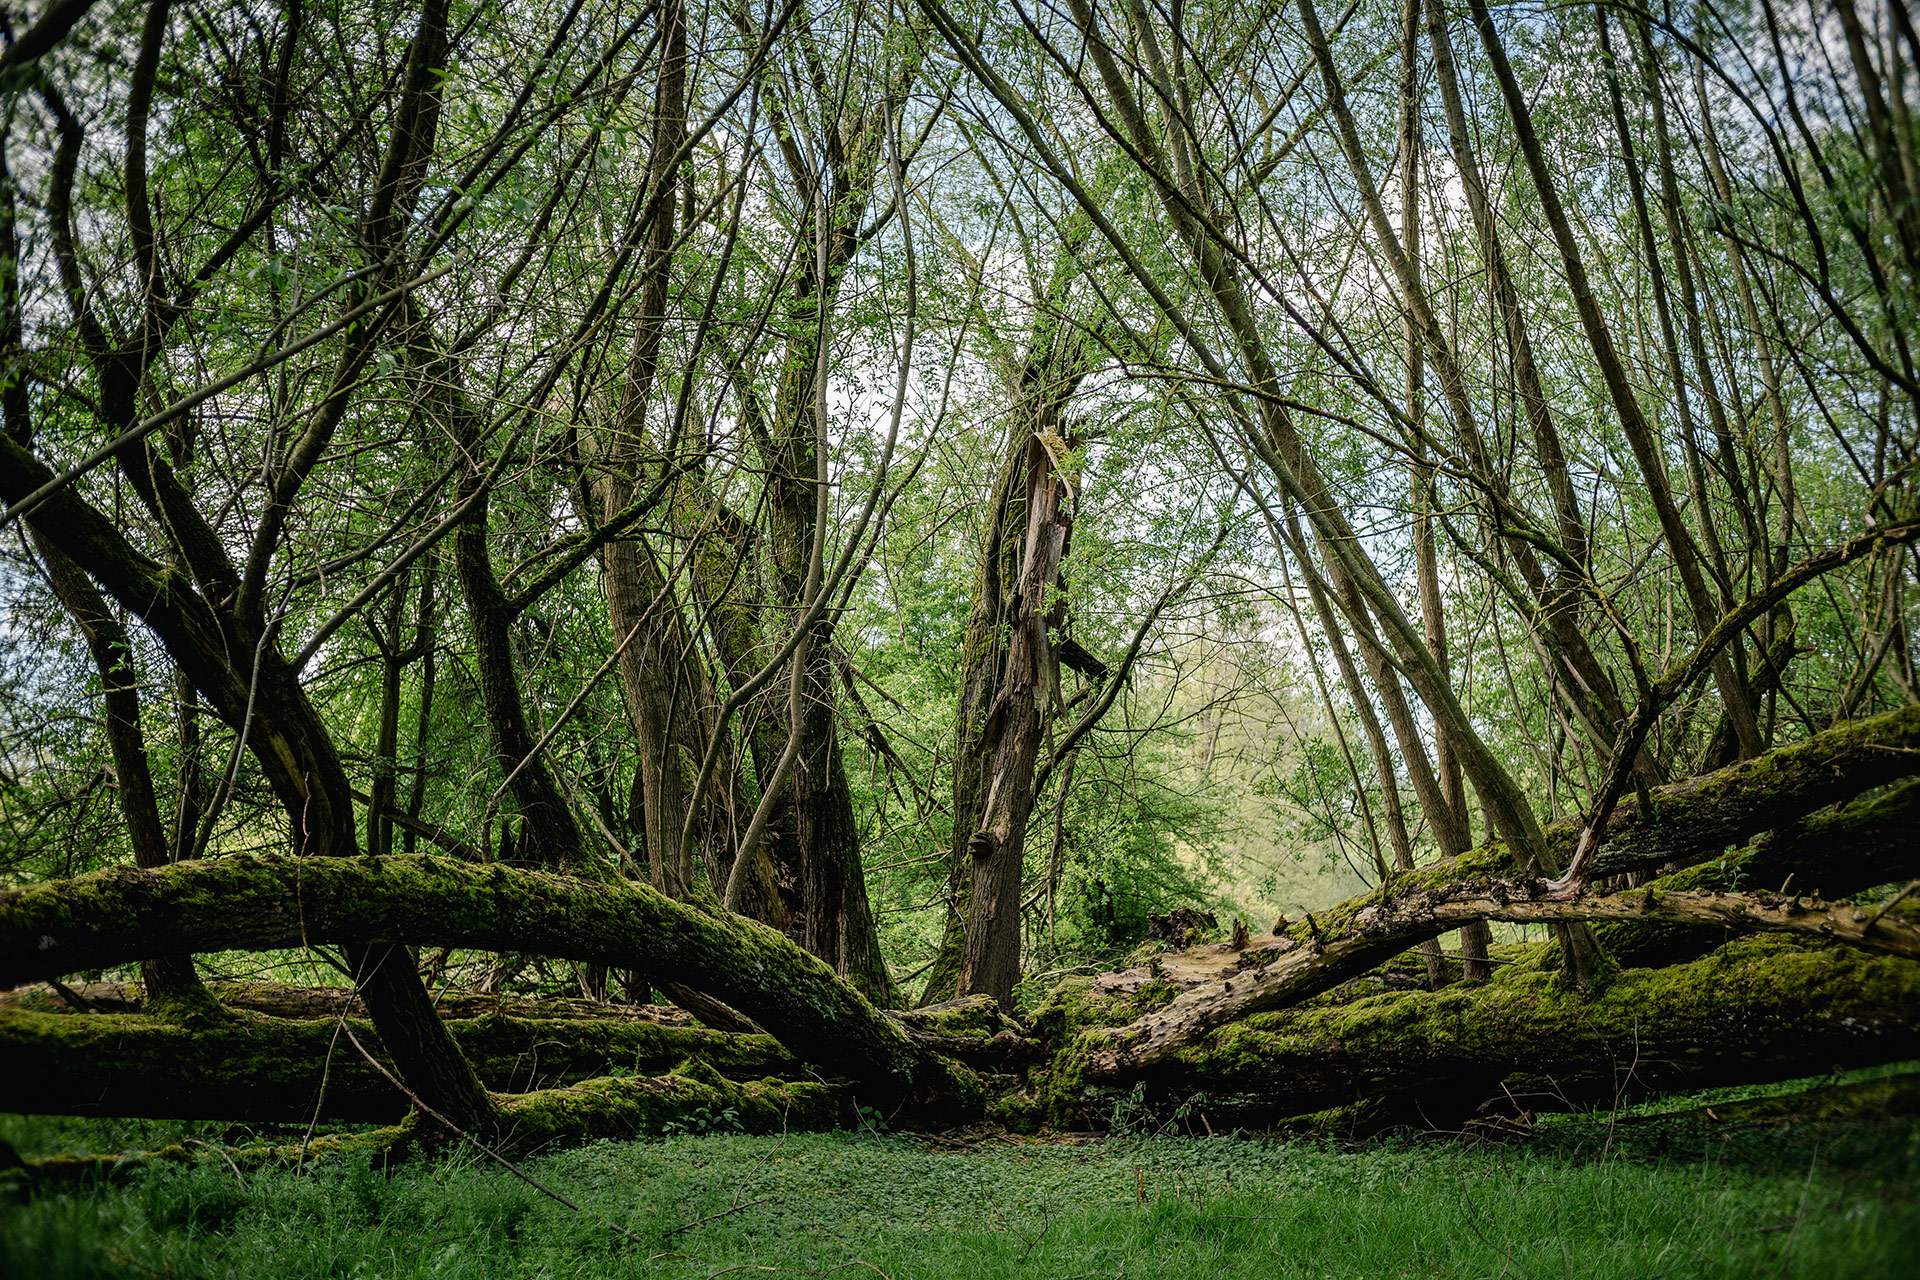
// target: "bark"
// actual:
[[990, 959], [1701, 817], [261, 902], [268, 1069], [982, 667], [1041, 386], [1835, 853], [305, 1004], [1690, 822], [721, 571], [1758, 1009], [292, 1069], [602, 1109], [790, 435], [659, 689], [207, 613], [1845, 850], [550, 826], [1781, 461]]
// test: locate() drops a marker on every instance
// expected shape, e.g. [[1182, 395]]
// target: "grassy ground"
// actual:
[[1673, 1197]]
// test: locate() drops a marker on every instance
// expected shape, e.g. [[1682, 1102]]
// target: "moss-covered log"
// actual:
[[1285, 971], [689, 1100], [303, 1003], [256, 1068], [1689, 821], [1702, 817], [1757, 1009], [265, 902], [1843, 850], [1857, 926]]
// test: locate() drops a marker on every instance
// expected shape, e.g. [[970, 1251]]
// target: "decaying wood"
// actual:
[[1702, 817], [1686, 822], [1756, 1009]]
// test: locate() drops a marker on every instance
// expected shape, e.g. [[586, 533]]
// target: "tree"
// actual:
[[595, 394]]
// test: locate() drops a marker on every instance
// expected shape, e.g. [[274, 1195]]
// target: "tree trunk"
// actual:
[[983, 654], [255, 902], [990, 960], [1758, 1009], [1694, 821]]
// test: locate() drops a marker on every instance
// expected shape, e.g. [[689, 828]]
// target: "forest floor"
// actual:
[[1633, 1193]]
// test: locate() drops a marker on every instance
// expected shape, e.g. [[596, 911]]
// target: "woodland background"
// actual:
[[805, 512]]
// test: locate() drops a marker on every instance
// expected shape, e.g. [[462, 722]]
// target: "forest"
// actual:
[[586, 578]]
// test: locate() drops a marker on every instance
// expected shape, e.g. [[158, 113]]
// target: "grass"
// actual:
[[1678, 1199]]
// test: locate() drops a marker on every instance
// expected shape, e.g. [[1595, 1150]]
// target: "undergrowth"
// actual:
[[1831, 1199]]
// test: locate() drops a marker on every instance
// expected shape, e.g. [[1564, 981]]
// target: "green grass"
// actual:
[[1817, 1200]]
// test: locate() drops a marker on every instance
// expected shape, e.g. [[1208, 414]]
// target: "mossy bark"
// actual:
[[264, 902], [255, 1068], [283, 1000], [689, 1100], [1702, 817], [1756, 1009], [1686, 822]]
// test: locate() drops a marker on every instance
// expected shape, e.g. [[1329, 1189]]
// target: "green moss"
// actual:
[[968, 1018], [690, 1099], [252, 1066], [1758, 1007]]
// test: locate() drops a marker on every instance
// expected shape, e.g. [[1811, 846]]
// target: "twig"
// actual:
[[687, 1226], [1889, 905]]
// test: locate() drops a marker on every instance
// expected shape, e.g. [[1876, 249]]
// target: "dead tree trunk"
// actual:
[[990, 960], [1758, 1009], [1690, 821]]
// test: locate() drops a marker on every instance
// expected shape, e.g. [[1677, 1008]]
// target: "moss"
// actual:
[[189, 1004], [969, 1018], [1758, 1008], [1077, 1003], [248, 902], [389, 1145], [254, 1067], [692, 1099]]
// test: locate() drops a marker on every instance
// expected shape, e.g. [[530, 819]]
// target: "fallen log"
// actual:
[[299, 1003], [1286, 971], [256, 902], [274, 1069], [1758, 1009], [1692, 820], [1702, 817], [262, 1069], [637, 1107], [1842, 851]]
